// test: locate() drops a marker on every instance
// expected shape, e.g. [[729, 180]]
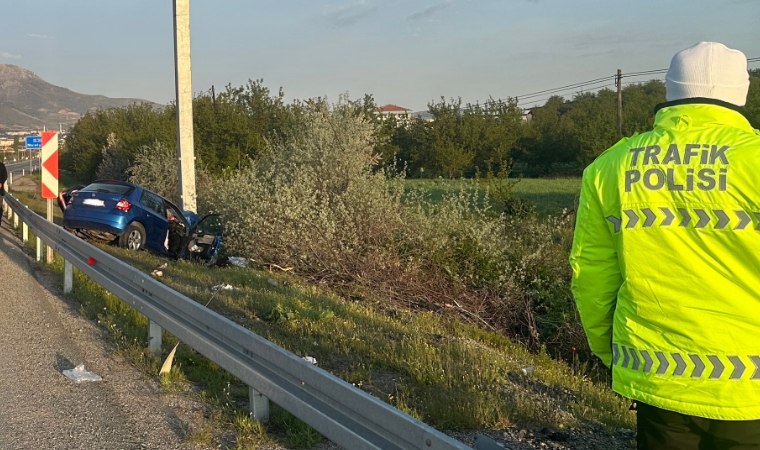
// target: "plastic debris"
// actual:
[[224, 287], [310, 359], [157, 273], [78, 374], [163, 266], [526, 370], [238, 261]]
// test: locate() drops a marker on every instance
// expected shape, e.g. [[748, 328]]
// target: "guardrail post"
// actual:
[[68, 277], [154, 336], [49, 253], [39, 249], [24, 232], [10, 179], [258, 405], [15, 221]]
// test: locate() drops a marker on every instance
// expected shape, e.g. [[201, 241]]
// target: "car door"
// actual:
[[179, 230], [156, 225], [207, 237]]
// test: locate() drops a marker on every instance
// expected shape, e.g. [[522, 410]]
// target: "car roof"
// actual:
[[132, 185], [122, 183]]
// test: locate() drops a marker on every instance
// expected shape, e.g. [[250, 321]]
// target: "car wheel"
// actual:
[[133, 238]]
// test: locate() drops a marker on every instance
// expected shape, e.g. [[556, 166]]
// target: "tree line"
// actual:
[[237, 124]]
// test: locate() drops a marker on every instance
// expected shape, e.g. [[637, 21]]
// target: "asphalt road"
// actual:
[[20, 166], [41, 334]]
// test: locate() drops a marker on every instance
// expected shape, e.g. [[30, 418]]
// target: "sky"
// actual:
[[404, 52]]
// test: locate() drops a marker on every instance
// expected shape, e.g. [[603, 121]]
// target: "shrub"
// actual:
[[114, 164], [315, 201], [155, 168]]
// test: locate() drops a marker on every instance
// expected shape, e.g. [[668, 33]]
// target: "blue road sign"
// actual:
[[34, 142]]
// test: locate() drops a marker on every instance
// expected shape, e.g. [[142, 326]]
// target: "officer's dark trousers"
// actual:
[[659, 429]]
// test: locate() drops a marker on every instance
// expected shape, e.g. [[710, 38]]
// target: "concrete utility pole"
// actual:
[[184, 88]]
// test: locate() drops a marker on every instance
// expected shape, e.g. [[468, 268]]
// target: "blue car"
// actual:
[[136, 218]]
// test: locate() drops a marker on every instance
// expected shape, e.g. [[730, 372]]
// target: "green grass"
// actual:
[[446, 373], [550, 195]]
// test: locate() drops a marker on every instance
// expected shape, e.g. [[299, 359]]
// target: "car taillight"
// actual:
[[123, 205]]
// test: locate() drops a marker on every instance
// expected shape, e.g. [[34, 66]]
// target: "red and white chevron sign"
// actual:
[[49, 159]]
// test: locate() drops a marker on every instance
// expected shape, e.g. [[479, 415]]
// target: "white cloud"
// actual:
[[9, 55], [38, 36], [430, 12], [349, 14]]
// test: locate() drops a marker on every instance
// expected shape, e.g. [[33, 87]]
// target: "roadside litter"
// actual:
[[310, 359], [78, 374], [224, 287], [227, 261], [157, 273]]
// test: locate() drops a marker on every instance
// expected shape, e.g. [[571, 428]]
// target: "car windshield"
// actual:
[[109, 188]]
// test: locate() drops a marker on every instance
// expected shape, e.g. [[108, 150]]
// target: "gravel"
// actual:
[[41, 335]]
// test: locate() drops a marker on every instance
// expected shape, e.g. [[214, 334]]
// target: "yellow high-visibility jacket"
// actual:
[[666, 262]]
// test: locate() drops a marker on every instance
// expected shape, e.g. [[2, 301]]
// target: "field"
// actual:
[[550, 195]]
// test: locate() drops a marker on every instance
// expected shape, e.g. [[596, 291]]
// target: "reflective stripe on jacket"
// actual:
[[666, 262]]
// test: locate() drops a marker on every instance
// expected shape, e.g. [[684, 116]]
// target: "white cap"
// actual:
[[708, 70]]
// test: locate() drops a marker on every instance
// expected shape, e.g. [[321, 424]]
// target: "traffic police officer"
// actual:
[[3, 178], [666, 260]]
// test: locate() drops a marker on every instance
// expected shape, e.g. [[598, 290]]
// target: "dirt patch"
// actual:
[[25, 184]]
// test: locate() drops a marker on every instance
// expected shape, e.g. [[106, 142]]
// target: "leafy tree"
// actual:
[[549, 138], [639, 102], [752, 108], [594, 128]]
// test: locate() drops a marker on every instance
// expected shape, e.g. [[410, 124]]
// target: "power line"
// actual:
[[646, 72], [569, 86], [546, 94], [565, 89], [597, 81]]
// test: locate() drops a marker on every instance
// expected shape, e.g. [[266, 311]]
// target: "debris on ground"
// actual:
[[224, 287], [227, 261], [273, 282], [163, 266], [310, 359], [78, 374], [275, 266], [157, 273]]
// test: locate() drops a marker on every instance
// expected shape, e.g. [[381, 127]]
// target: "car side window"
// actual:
[[211, 224], [172, 213], [152, 201]]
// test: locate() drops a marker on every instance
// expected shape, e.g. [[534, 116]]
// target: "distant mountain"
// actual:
[[27, 102]]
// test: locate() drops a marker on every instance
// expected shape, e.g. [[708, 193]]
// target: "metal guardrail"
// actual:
[[343, 413]]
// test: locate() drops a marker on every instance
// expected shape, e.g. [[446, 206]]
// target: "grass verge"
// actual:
[[450, 375]]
